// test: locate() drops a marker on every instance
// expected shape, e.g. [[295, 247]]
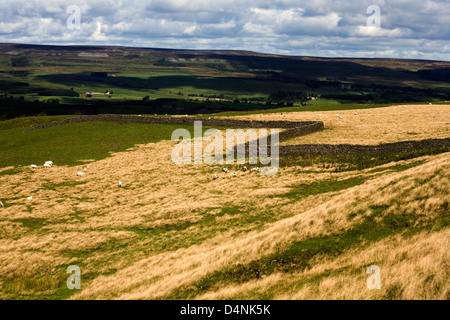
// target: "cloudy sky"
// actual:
[[409, 29]]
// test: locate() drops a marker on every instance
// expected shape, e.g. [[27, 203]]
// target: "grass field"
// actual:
[[72, 144], [42, 73], [370, 125], [172, 232]]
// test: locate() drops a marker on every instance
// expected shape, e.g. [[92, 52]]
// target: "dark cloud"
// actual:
[[409, 29]]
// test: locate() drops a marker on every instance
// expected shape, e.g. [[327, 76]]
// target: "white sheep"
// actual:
[[120, 184], [254, 169], [47, 165], [2, 205], [30, 198], [33, 166], [319, 115], [49, 162], [356, 113], [340, 117], [80, 174], [84, 170], [215, 177], [225, 170], [244, 169]]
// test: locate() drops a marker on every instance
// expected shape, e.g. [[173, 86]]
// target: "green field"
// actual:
[[36, 79], [66, 145]]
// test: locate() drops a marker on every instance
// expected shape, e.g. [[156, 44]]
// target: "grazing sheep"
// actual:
[[254, 169], [2, 205], [80, 174], [29, 198], [84, 169], [319, 115], [33, 166], [356, 113], [49, 162], [47, 165], [234, 174], [215, 177], [120, 184], [340, 117], [244, 169], [225, 170]]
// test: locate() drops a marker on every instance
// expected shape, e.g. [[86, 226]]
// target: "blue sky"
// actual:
[[409, 29]]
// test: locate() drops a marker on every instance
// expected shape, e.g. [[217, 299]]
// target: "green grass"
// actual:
[[31, 223], [66, 145], [304, 190]]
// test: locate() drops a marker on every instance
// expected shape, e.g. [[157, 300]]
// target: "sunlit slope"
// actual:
[[354, 228], [371, 126], [173, 232]]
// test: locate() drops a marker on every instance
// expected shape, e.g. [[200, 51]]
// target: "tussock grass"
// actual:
[[308, 232], [370, 126]]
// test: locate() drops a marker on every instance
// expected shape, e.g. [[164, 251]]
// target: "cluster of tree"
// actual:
[[350, 97], [288, 98], [55, 101], [99, 74], [211, 96]]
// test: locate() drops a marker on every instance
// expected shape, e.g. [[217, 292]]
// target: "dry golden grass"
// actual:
[[371, 126], [170, 226], [159, 275], [414, 268]]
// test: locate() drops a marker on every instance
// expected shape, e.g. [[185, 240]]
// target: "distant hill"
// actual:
[[205, 78]]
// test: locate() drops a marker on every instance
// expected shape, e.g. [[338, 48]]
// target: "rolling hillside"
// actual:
[[90, 80], [172, 232]]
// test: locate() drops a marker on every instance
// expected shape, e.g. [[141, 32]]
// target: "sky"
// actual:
[[322, 28]]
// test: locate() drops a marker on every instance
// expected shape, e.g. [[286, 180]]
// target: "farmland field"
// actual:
[[310, 231], [172, 232]]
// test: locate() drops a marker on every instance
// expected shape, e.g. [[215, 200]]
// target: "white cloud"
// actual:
[[322, 27], [370, 31]]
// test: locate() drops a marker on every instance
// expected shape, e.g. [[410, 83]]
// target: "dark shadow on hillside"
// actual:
[[224, 84]]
